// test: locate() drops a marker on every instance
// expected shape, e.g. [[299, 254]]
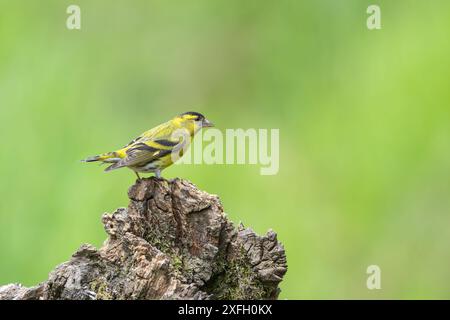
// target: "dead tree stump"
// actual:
[[172, 242]]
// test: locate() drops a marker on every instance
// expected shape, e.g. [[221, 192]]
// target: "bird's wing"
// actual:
[[139, 154], [148, 135], [151, 145]]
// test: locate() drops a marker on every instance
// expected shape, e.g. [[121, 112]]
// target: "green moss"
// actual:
[[166, 246], [177, 264], [236, 280], [160, 242], [100, 287]]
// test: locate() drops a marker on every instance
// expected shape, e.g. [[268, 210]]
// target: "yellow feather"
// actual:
[[153, 150]]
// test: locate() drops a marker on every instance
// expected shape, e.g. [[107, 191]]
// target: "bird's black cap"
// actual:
[[193, 113]]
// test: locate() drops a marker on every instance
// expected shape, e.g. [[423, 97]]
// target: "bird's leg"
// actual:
[[158, 173], [137, 174]]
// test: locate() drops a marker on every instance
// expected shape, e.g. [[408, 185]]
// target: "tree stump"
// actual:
[[172, 242]]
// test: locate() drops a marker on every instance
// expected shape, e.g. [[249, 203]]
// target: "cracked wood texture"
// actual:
[[172, 242]]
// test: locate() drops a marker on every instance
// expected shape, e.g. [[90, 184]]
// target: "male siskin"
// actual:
[[157, 148]]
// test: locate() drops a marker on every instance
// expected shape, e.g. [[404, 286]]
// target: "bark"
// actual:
[[172, 242]]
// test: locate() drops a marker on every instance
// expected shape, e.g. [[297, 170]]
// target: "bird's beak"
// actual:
[[206, 123]]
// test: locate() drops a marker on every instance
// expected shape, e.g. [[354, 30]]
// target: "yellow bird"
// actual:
[[157, 148]]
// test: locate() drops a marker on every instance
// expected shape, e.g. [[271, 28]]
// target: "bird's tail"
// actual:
[[105, 157]]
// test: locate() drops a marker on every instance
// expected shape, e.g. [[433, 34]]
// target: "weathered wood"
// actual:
[[172, 242]]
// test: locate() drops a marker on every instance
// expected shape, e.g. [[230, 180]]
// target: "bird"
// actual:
[[157, 148]]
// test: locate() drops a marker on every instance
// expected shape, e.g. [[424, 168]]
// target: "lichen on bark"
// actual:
[[173, 241]]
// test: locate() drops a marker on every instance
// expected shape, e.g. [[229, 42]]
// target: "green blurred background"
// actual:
[[363, 116]]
